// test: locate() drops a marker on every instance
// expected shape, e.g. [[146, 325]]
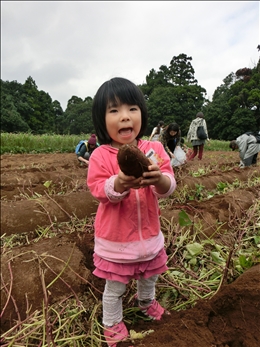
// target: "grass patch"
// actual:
[[28, 143], [50, 143]]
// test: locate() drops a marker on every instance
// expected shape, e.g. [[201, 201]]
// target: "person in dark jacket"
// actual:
[[170, 138], [87, 149]]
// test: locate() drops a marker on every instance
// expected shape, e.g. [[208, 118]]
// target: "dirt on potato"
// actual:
[[41, 192]]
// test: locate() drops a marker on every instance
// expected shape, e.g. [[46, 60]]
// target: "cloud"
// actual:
[[71, 48]]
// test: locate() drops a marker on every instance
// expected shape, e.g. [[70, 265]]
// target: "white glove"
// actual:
[[241, 164]]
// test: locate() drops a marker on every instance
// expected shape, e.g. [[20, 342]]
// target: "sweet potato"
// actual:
[[132, 161]]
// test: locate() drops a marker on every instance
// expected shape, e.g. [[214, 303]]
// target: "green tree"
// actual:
[[235, 105], [58, 117], [77, 116], [25, 108], [181, 72], [173, 94], [218, 112], [155, 79], [11, 119], [246, 93], [40, 114]]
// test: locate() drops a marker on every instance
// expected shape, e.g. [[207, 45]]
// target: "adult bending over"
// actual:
[[248, 148], [170, 138]]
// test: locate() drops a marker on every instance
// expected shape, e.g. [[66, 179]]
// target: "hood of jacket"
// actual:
[[198, 121]]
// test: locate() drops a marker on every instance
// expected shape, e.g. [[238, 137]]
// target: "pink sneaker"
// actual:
[[115, 334], [154, 310]]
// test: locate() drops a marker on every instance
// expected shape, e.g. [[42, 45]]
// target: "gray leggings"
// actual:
[[112, 298]]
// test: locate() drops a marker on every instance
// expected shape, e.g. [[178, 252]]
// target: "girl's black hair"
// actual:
[[169, 128], [117, 90], [174, 127]]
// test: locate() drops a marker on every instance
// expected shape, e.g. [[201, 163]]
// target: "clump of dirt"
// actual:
[[40, 192], [230, 319]]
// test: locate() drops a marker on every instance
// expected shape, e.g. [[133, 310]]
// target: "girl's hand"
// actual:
[[152, 177], [155, 177], [124, 182]]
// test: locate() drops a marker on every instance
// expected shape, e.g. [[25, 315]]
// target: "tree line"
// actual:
[[172, 94]]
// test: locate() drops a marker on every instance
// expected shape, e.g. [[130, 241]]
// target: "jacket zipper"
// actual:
[[144, 254]]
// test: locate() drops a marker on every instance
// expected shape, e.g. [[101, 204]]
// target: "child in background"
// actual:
[[157, 131], [129, 243]]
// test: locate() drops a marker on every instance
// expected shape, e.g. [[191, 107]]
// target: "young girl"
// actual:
[[157, 131], [170, 138], [128, 241]]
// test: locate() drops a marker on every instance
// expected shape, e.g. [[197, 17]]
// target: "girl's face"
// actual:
[[123, 123], [172, 132]]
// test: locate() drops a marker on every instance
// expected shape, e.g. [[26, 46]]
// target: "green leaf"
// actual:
[[217, 257], [184, 219], [214, 276], [246, 263], [193, 261], [47, 184], [177, 273], [257, 239], [194, 248], [218, 247], [221, 186], [187, 255]]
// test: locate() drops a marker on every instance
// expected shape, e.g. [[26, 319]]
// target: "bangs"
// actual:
[[122, 92]]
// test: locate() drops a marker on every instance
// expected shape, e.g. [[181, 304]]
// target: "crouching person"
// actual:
[[85, 148], [248, 146]]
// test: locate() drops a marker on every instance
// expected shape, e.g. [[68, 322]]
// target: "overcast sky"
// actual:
[[72, 47]]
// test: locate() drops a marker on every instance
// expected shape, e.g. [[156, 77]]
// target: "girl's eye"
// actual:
[[134, 108]]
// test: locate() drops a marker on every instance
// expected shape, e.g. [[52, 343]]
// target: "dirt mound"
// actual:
[[230, 319], [29, 270], [41, 192]]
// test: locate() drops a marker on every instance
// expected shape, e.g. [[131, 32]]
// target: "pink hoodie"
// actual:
[[127, 226]]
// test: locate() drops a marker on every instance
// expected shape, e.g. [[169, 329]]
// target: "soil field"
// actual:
[[47, 215]]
